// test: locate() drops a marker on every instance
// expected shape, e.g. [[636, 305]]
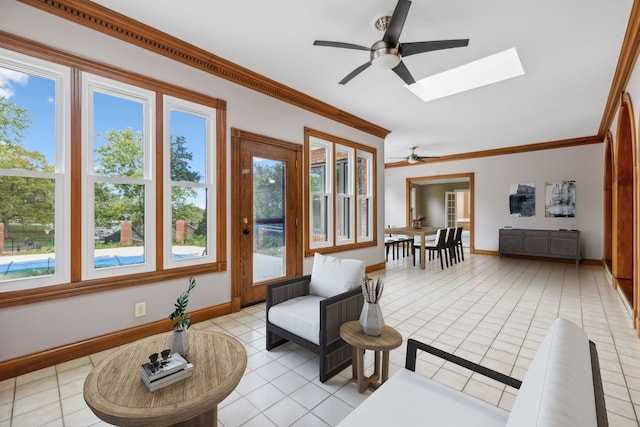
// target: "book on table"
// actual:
[[165, 371]]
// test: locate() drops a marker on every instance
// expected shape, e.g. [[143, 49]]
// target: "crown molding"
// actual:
[[109, 22]]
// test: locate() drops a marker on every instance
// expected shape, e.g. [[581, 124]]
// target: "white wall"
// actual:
[[34, 327], [492, 177]]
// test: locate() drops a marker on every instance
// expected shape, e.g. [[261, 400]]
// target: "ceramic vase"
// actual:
[[180, 342], [371, 320]]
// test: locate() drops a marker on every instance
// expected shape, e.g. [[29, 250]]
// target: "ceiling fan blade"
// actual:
[[408, 49], [341, 45], [355, 73], [403, 72], [392, 34]]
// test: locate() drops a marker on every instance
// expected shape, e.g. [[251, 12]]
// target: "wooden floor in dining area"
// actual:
[[491, 310]]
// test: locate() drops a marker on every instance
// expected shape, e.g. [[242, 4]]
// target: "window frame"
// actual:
[[61, 76], [357, 240], [91, 84], [75, 283], [171, 103]]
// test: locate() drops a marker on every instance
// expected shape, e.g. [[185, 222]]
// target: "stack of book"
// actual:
[[165, 371]]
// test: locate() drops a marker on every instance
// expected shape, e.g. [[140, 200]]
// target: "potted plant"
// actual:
[[179, 340], [417, 223]]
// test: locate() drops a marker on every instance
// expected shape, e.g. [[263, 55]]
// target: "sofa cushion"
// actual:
[[558, 387], [410, 399], [332, 276], [300, 316]]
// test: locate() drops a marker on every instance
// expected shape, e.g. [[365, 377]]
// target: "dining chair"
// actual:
[[438, 247], [458, 244]]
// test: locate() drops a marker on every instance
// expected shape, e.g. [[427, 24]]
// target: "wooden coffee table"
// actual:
[[115, 393], [388, 339]]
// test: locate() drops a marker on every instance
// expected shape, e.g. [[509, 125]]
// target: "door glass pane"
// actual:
[[268, 219]]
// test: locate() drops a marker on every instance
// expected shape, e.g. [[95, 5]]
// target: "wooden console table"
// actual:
[[544, 243], [115, 393]]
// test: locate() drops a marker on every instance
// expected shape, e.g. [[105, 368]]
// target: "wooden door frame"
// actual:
[[469, 176], [237, 136]]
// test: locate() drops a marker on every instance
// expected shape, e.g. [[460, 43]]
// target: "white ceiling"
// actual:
[[568, 48]]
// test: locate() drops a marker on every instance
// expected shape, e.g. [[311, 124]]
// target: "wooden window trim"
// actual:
[[335, 140], [77, 286]]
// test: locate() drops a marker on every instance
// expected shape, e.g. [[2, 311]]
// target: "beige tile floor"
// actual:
[[490, 310]]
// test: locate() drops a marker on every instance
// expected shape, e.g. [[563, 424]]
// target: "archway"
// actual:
[[624, 203], [608, 202]]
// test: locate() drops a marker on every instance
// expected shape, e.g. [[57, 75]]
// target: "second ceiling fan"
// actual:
[[388, 52]]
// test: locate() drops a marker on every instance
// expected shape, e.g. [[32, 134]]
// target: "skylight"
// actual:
[[491, 69]]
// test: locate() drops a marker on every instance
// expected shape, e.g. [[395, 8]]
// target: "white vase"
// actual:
[[371, 320], [180, 342]]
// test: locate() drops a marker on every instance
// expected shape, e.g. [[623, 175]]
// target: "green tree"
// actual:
[[121, 156], [268, 190], [181, 206], [23, 199], [14, 120]]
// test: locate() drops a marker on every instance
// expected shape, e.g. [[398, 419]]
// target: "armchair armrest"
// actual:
[[410, 363], [335, 311], [286, 290]]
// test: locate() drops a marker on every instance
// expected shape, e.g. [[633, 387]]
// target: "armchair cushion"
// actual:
[[300, 316], [331, 276]]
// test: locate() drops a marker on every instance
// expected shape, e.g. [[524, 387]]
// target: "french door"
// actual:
[[266, 203]]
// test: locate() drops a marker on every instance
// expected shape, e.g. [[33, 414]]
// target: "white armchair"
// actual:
[[309, 310]]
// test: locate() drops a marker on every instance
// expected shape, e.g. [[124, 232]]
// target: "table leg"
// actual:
[[362, 383], [422, 251], [385, 366], [354, 362], [209, 418], [376, 367]]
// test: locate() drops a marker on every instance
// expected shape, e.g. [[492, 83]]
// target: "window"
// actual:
[[340, 183], [119, 230], [344, 195], [190, 189], [34, 182], [85, 180], [365, 191], [320, 193]]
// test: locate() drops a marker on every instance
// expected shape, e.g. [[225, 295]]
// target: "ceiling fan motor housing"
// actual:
[[384, 55]]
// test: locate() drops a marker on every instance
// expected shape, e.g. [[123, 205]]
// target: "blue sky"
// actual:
[[37, 95]]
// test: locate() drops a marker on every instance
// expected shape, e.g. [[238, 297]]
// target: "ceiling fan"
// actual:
[[413, 157], [388, 52]]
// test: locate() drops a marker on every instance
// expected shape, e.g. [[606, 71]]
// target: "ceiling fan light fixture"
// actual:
[[412, 160], [383, 56]]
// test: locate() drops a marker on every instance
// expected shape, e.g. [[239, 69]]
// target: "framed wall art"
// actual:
[[522, 200], [560, 199]]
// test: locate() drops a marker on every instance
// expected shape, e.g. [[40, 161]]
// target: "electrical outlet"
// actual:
[[141, 309]]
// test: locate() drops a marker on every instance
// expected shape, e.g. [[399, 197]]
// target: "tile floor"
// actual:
[[490, 310]]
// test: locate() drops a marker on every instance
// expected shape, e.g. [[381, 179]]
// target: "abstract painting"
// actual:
[[560, 199], [522, 200]]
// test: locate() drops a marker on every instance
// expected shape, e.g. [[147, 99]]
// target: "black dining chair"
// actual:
[[451, 246], [458, 244], [438, 247]]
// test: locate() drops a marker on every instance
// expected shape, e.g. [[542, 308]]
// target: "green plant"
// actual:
[[183, 321]]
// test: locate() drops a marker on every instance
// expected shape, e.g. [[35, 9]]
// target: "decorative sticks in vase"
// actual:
[[372, 292]]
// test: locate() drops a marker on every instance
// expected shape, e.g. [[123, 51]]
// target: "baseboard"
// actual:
[[375, 267], [585, 261], [43, 359]]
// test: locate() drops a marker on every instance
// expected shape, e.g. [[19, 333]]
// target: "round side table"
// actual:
[[388, 339], [115, 393]]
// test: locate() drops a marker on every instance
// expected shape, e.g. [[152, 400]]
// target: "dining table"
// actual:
[[423, 232]]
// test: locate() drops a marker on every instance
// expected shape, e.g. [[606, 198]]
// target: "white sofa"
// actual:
[[562, 388]]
